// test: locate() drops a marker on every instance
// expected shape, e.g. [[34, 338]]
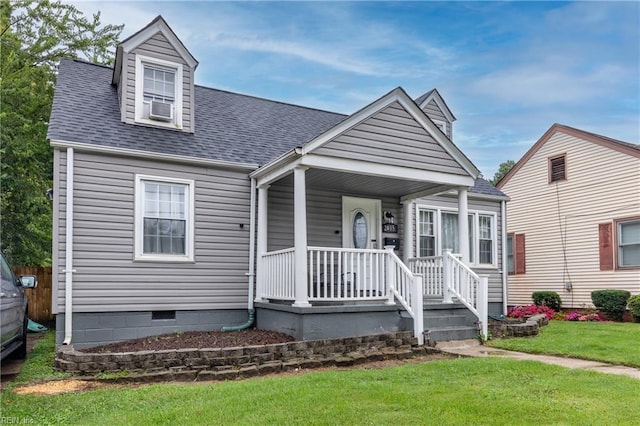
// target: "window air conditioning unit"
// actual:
[[162, 111]]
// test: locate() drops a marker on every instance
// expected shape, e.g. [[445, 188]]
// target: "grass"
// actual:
[[462, 391], [612, 342], [40, 363]]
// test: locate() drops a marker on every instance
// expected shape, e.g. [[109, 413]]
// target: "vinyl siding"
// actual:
[[108, 279], [450, 202], [434, 112], [393, 135], [158, 47], [324, 215], [601, 185]]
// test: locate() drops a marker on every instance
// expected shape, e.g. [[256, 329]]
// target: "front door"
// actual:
[[361, 223]]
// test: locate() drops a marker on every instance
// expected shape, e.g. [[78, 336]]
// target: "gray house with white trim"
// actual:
[[182, 207]]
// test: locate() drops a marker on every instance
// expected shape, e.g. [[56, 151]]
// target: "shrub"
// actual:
[[529, 310], [577, 316], [634, 307], [547, 298], [612, 302]]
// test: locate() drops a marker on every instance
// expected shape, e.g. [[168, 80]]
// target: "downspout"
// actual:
[[251, 273], [505, 272], [68, 269]]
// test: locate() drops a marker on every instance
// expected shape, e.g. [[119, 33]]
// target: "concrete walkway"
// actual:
[[473, 349]]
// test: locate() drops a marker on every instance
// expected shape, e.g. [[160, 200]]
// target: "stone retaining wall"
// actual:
[[528, 327], [231, 363]]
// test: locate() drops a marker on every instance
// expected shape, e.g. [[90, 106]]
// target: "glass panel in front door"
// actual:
[[360, 231]]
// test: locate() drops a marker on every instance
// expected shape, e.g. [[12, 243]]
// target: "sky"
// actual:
[[507, 70]]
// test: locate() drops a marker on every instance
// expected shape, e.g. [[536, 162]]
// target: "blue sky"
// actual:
[[507, 70]]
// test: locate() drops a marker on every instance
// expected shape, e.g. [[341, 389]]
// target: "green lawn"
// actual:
[[463, 391], [612, 342]]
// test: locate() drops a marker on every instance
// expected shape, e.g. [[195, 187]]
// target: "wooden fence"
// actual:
[[39, 297]]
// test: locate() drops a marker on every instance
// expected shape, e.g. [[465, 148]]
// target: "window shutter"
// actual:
[[605, 246], [520, 266]]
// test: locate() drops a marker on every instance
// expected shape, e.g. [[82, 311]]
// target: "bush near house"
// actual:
[[547, 298], [634, 307], [612, 302], [530, 310]]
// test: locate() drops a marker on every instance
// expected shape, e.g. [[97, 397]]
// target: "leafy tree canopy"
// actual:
[[502, 170], [34, 36]]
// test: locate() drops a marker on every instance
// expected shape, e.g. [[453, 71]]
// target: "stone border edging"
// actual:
[[238, 362], [530, 327]]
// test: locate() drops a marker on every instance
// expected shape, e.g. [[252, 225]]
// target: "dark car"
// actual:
[[13, 304]]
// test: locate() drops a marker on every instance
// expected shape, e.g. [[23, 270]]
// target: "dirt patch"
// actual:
[[57, 387], [197, 340]]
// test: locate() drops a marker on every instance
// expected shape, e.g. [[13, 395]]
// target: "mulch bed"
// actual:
[[195, 339]]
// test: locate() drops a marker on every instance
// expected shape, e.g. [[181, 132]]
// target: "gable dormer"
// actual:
[[437, 110], [154, 75]]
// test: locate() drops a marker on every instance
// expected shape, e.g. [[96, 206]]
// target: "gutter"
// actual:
[[252, 264], [68, 270], [505, 272]]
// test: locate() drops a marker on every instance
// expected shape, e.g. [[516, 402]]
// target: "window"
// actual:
[[557, 168], [438, 231], [427, 236], [628, 239], [158, 83], [511, 267], [164, 219]]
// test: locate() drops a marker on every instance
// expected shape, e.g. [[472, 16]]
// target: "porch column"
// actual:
[[300, 240], [407, 234], [261, 244], [463, 224]]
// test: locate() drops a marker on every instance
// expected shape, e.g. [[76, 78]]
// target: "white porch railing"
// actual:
[[468, 287], [337, 274], [278, 275], [341, 274], [431, 270]]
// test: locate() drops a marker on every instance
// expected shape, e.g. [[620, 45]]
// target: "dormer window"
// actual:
[[158, 92]]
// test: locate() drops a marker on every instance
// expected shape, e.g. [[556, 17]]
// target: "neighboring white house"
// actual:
[[182, 207], [573, 221]]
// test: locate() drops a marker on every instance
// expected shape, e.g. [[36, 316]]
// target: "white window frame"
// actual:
[[438, 211], [141, 61], [619, 245], [139, 255]]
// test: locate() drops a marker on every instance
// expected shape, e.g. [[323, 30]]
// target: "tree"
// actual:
[[502, 171], [34, 36]]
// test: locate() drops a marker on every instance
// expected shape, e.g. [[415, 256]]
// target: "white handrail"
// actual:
[[278, 275], [468, 287], [430, 267], [407, 289]]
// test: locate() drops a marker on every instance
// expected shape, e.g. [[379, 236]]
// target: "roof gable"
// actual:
[[614, 144], [434, 95], [158, 25], [402, 102]]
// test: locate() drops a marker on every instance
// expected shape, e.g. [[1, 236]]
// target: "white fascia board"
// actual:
[[426, 193], [151, 155], [159, 26], [274, 164], [352, 121], [383, 170], [276, 174], [479, 196]]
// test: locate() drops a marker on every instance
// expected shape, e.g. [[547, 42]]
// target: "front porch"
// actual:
[[352, 292], [328, 210]]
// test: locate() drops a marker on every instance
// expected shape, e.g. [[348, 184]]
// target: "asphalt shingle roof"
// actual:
[[229, 126]]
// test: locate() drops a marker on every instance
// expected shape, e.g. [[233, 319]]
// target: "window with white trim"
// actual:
[[628, 239], [439, 229], [164, 219], [158, 92]]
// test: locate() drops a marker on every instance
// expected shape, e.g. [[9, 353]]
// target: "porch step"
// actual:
[[446, 334]]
